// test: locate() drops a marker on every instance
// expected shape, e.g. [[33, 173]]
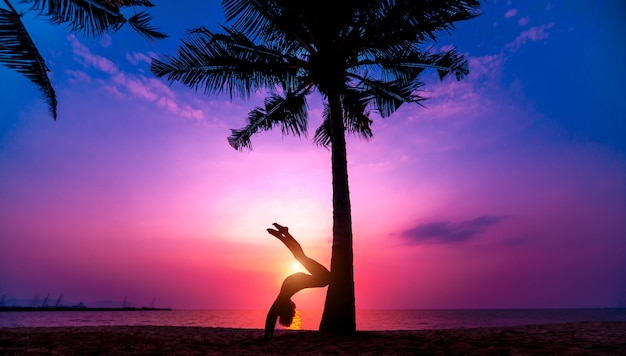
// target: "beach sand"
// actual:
[[587, 338]]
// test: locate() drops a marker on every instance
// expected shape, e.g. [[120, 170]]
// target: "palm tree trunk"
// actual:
[[339, 309]]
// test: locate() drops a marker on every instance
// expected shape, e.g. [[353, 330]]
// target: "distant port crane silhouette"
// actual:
[[45, 301], [35, 301], [58, 302]]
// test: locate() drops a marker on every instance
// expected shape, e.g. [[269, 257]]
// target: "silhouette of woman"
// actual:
[[283, 308]]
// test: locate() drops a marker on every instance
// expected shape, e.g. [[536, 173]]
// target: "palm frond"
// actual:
[[86, 17], [18, 52], [126, 3], [322, 133], [355, 117], [226, 63], [249, 16], [451, 62], [356, 114], [289, 113], [388, 96], [140, 22], [411, 62], [388, 26], [96, 17], [270, 21]]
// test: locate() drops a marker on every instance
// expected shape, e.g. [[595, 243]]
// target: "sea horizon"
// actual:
[[367, 319]]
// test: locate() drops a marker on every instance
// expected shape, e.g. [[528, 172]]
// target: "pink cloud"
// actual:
[[191, 113], [78, 76], [524, 21], [450, 98], [89, 59], [537, 33], [155, 91], [112, 90], [168, 104], [106, 41], [510, 13], [140, 89], [136, 57], [485, 67], [159, 87], [120, 84], [533, 34]]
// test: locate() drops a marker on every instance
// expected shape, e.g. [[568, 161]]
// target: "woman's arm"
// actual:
[[270, 322]]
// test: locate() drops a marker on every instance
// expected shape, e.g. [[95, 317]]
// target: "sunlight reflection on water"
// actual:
[[296, 324]]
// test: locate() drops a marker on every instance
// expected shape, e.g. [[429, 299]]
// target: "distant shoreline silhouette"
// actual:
[[283, 307]]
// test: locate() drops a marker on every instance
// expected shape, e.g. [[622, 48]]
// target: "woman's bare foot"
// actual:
[[282, 229]]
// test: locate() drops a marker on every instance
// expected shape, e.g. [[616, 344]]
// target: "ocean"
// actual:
[[310, 319]]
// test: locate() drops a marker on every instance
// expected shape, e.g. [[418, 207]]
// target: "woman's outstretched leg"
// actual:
[[314, 267], [282, 233], [319, 272]]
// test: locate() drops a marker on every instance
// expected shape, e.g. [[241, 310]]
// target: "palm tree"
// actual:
[[88, 17], [363, 56]]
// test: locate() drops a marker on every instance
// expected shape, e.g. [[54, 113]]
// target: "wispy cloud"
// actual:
[[137, 57], [524, 21], [90, 60], [121, 84], [451, 99], [533, 34], [450, 232], [78, 76], [510, 13], [106, 41], [485, 67]]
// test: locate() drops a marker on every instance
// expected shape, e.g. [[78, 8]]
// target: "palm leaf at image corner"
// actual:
[[96, 17], [18, 52]]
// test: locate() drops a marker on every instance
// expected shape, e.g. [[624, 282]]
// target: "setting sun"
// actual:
[[296, 267]]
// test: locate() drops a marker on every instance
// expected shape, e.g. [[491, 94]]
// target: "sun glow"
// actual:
[[296, 267]]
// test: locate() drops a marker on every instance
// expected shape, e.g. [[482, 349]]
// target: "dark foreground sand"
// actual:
[[589, 338]]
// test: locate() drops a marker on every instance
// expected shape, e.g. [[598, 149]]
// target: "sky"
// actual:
[[508, 190]]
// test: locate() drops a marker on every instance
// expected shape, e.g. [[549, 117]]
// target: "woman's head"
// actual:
[[286, 311]]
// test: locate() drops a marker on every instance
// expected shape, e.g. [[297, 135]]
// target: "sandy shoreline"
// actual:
[[587, 338]]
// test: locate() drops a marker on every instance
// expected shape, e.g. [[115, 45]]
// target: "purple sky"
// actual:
[[508, 190]]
